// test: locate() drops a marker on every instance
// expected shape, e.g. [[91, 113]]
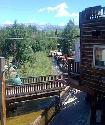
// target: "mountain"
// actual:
[[45, 27]]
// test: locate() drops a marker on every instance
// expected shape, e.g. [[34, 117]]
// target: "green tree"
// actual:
[[68, 37], [18, 44], [32, 40]]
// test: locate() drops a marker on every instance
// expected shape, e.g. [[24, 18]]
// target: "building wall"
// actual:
[[92, 32]]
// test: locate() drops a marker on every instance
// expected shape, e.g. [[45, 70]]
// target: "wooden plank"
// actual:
[[91, 43], [93, 109], [2, 92], [94, 24], [92, 40], [32, 97], [86, 50], [88, 47]]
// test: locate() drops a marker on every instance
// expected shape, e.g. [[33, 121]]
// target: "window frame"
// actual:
[[94, 47]]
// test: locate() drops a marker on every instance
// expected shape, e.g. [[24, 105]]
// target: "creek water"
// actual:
[[55, 68], [31, 106]]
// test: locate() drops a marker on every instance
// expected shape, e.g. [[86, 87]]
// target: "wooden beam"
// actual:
[[31, 97], [103, 111], [93, 109], [2, 92]]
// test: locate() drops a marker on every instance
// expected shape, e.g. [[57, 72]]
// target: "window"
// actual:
[[99, 56]]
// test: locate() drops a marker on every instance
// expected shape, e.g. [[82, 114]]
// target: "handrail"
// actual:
[[41, 78], [35, 85], [33, 88]]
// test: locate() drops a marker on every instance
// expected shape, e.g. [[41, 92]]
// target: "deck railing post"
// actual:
[[2, 92]]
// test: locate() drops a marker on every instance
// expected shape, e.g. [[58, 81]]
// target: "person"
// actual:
[[17, 80]]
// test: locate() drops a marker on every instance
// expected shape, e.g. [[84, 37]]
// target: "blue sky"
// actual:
[[57, 12]]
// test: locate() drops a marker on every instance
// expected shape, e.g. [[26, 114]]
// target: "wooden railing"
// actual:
[[73, 68], [41, 79], [35, 88], [38, 86]]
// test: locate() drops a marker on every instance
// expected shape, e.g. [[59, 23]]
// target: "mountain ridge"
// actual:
[[44, 27]]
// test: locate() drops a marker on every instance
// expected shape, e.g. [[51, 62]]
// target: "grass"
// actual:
[[23, 119], [27, 119], [39, 65]]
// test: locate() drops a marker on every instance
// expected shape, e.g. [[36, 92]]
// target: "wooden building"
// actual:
[[89, 74], [92, 65], [92, 41]]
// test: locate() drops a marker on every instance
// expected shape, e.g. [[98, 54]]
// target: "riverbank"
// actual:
[[29, 111]]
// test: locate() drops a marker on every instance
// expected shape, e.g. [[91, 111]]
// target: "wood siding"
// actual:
[[91, 20]]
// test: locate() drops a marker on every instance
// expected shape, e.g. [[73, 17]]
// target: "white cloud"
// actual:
[[60, 10], [42, 9]]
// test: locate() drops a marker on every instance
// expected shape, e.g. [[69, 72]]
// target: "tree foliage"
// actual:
[[21, 41], [33, 40], [68, 37], [16, 43]]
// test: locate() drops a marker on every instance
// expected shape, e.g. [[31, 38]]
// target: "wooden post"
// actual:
[[93, 109], [46, 116], [57, 105], [103, 112], [2, 92], [69, 68]]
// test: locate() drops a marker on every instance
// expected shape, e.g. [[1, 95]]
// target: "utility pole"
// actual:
[[2, 92]]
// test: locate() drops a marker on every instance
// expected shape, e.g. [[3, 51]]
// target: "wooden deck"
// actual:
[[42, 86], [45, 86]]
